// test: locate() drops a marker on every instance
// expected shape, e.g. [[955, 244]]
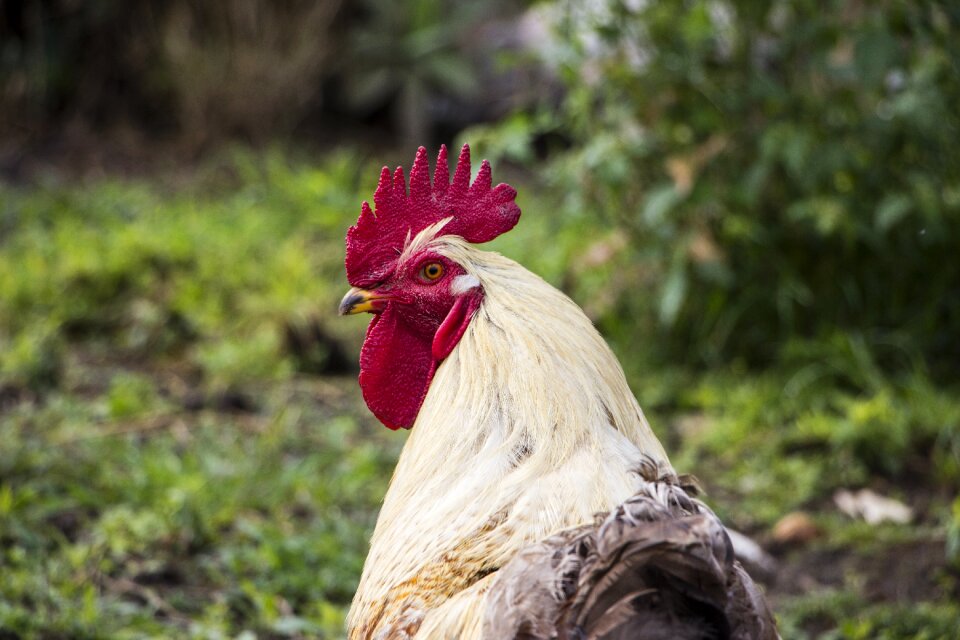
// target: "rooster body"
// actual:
[[484, 474], [523, 424]]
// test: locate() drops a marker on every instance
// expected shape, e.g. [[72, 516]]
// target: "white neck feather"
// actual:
[[528, 427]]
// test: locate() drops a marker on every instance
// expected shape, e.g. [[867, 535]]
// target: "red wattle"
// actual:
[[397, 362], [454, 325], [395, 369]]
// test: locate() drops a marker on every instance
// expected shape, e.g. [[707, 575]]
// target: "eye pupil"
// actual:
[[433, 270]]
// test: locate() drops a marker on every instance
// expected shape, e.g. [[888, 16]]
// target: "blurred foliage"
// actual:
[[767, 192], [953, 535], [253, 70], [226, 526], [859, 620], [153, 274], [410, 50], [786, 171], [140, 494], [784, 445], [242, 67], [205, 70]]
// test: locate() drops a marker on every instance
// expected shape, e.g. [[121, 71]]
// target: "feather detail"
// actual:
[[528, 429], [658, 566], [524, 431]]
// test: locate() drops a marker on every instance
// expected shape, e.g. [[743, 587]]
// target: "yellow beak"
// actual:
[[360, 300]]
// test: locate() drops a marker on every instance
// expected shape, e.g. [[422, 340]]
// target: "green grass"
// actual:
[[172, 464], [196, 523]]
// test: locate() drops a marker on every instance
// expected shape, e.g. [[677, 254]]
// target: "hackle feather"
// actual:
[[528, 427]]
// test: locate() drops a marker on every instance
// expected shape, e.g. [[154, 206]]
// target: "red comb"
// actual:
[[479, 213]]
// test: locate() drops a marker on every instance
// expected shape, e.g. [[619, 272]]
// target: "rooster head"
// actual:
[[422, 300]]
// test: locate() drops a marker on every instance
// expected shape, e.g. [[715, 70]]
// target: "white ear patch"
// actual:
[[462, 284]]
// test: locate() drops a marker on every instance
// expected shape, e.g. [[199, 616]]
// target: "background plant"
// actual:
[[784, 171], [756, 205]]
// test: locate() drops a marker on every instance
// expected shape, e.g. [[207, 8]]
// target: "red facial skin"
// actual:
[[417, 328], [418, 321]]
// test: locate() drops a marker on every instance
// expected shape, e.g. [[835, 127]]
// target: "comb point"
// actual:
[[399, 183], [483, 180], [384, 183], [477, 213], [441, 174], [420, 176], [461, 175]]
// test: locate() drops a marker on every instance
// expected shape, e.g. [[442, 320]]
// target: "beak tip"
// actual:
[[348, 303], [362, 301]]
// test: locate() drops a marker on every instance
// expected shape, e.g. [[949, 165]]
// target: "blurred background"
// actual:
[[757, 203]]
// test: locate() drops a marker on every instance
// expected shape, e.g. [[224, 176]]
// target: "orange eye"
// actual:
[[432, 271]]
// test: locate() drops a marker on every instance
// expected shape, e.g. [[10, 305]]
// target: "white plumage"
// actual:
[[528, 428]]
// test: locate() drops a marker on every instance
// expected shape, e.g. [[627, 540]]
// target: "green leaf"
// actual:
[[674, 292], [891, 210], [660, 201]]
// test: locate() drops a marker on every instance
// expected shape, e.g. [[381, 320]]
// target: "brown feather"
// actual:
[[658, 566]]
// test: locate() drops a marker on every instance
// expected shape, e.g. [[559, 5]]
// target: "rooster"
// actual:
[[523, 430]]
